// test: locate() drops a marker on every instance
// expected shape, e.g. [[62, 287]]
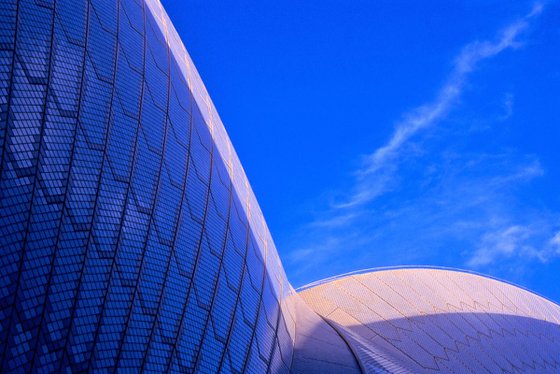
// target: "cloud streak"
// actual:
[[515, 242], [375, 177], [451, 206]]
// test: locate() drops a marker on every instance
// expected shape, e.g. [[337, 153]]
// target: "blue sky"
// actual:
[[383, 133]]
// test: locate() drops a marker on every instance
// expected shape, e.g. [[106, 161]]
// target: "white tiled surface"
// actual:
[[426, 320]]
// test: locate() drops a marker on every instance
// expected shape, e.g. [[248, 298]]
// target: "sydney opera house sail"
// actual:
[[131, 239]]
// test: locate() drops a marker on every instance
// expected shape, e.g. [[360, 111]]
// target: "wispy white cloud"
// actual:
[[515, 241], [470, 199], [458, 198], [507, 107], [376, 175], [504, 243], [524, 172], [555, 241]]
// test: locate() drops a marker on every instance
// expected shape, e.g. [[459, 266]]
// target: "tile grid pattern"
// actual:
[[130, 236], [131, 239], [429, 320]]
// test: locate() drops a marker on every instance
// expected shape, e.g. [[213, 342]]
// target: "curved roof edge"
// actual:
[[412, 267]]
